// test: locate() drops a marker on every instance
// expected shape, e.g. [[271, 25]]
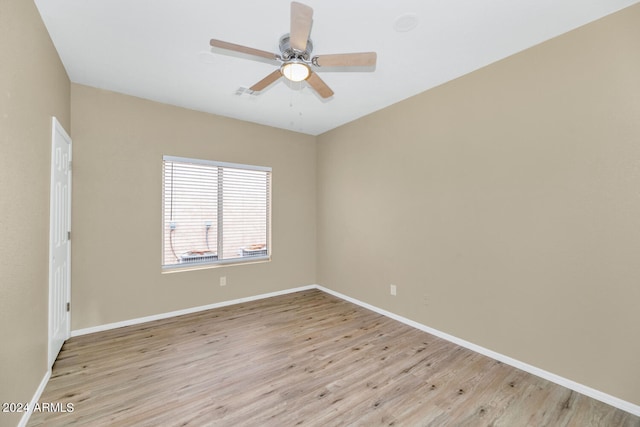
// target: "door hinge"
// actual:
[[70, 164], [68, 235], [68, 306]]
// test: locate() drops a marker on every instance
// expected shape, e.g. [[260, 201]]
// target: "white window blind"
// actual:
[[214, 212]]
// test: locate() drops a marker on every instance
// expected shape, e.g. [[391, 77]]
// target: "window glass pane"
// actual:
[[245, 209], [213, 212]]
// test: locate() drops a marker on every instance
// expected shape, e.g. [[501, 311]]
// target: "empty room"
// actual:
[[320, 213]]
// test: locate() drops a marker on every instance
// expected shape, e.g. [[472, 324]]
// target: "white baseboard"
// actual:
[[557, 379], [572, 385], [160, 316], [35, 399]]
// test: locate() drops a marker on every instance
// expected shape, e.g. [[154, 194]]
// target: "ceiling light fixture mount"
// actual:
[[406, 22]]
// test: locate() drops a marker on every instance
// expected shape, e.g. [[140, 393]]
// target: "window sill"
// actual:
[[177, 268]]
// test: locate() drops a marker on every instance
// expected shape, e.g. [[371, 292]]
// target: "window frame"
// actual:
[[238, 260]]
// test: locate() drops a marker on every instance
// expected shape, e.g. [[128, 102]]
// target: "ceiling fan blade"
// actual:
[[266, 81], [362, 59], [319, 85], [301, 18], [243, 49]]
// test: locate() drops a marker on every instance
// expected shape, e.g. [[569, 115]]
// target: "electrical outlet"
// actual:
[[392, 289], [223, 280]]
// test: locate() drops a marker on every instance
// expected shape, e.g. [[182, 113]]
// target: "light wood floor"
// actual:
[[306, 358]]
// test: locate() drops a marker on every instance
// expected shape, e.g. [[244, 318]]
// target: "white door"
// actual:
[[59, 241]]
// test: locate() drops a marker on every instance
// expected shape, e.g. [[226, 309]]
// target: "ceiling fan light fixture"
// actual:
[[295, 71]]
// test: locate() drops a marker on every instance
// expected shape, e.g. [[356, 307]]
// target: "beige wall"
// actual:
[[119, 142], [504, 205], [33, 88]]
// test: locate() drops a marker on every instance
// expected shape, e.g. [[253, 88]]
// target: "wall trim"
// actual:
[[169, 314], [549, 376], [35, 399]]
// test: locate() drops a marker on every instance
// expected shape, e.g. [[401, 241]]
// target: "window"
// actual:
[[214, 213]]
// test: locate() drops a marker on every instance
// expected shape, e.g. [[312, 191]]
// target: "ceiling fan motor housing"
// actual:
[[289, 53]]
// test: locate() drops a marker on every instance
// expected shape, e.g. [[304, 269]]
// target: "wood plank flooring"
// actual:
[[305, 358]]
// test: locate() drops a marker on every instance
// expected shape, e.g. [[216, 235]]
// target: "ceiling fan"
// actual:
[[296, 62]]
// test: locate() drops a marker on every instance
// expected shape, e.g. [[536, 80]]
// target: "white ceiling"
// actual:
[[159, 49]]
